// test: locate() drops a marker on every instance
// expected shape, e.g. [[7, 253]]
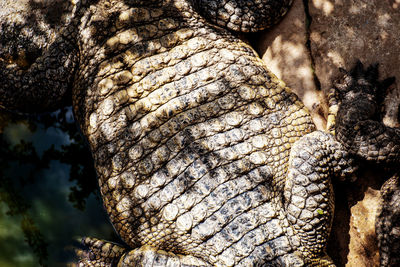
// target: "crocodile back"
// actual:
[[190, 133]]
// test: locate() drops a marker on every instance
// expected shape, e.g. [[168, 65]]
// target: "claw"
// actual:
[[387, 82], [372, 71], [342, 70], [341, 88], [359, 80], [382, 88], [358, 69]]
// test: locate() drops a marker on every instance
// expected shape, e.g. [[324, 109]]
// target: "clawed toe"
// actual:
[[362, 80], [98, 252], [358, 83]]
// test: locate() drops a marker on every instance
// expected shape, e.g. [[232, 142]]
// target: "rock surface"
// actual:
[[339, 33], [345, 30], [284, 50]]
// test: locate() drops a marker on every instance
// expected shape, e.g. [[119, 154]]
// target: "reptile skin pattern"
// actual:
[[359, 96], [203, 156]]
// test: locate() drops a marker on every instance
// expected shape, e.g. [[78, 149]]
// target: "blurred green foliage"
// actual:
[[48, 188]]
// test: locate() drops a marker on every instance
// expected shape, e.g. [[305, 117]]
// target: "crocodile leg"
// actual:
[[388, 223], [360, 129], [99, 253], [358, 126], [151, 257], [102, 253], [309, 197]]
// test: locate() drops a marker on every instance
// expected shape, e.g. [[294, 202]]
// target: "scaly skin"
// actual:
[[203, 156], [358, 96], [388, 223], [38, 54]]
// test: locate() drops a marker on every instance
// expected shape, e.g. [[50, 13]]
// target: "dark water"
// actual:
[[48, 191]]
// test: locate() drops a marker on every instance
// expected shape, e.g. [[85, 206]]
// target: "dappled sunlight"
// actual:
[[352, 30], [325, 5], [286, 60], [166, 128], [336, 58], [383, 19], [395, 3], [284, 51], [358, 9]]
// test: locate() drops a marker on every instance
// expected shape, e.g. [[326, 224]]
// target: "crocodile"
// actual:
[[204, 157], [356, 99]]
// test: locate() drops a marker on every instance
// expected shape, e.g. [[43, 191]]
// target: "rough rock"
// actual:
[[340, 32], [363, 240], [284, 50], [345, 30]]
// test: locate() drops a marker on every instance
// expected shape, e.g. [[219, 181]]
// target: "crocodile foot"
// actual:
[[100, 253], [359, 125], [356, 81], [360, 129]]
